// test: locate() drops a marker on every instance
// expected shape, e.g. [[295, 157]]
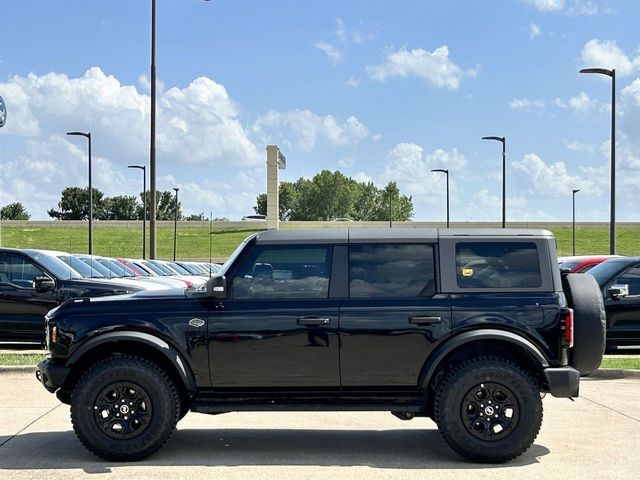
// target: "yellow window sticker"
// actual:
[[467, 272]]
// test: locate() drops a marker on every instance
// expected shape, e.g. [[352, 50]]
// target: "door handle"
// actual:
[[313, 321], [423, 320]]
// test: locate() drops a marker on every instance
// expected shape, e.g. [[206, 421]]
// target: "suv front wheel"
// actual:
[[124, 408], [488, 409]]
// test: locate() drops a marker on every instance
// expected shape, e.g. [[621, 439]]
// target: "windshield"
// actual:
[[154, 268], [163, 269], [607, 270], [79, 266], [94, 264], [117, 270], [179, 269], [191, 268], [57, 267], [137, 269], [225, 266]]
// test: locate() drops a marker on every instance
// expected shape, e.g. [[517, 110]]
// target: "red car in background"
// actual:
[[582, 263]]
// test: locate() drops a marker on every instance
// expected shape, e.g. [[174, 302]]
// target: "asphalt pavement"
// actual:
[[596, 436]]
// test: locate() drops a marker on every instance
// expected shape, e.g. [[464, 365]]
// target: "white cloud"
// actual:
[[534, 31], [526, 105], [335, 54], [572, 8], [552, 180], [362, 177], [347, 162], [547, 5], [303, 129], [342, 38], [589, 148], [434, 68], [607, 54], [581, 103], [408, 165], [353, 82]]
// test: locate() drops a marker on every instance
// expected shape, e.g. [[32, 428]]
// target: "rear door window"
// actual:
[[391, 271], [497, 265]]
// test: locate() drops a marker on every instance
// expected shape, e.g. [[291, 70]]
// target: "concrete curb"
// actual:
[[17, 369], [613, 373]]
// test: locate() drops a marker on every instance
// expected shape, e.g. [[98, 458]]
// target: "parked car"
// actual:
[[32, 283], [619, 279], [465, 326], [582, 263], [254, 217]]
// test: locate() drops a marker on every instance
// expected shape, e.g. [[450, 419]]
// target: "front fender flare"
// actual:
[[435, 359], [158, 344]]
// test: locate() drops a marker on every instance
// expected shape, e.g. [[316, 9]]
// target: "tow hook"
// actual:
[[403, 415]]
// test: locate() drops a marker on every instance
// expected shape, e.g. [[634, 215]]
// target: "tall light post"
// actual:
[[144, 207], [612, 223], [175, 225], [152, 141], [87, 135], [504, 177], [446, 172], [152, 146], [574, 220]]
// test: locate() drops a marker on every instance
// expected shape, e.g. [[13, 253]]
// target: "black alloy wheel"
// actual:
[[123, 410]]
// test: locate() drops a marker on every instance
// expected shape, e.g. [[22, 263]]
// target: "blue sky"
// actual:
[[379, 90]]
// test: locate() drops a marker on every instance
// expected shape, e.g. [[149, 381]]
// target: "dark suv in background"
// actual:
[[467, 327], [32, 283]]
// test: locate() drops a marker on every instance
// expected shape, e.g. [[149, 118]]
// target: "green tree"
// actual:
[[122, 207], [288, 201], [14, 211], [330, 195], [74, 205], [165, 205]]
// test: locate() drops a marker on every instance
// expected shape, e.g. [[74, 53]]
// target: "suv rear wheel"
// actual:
[[124, 408], [488, 409]]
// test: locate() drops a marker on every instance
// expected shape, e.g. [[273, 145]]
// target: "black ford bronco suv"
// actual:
[[469, 327]]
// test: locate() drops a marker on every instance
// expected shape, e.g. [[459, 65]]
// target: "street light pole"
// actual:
[[574, 220], [175, 225], [612, 222], [446, 172], [504, 176], [87, 135], [152, 146], [144, 208]]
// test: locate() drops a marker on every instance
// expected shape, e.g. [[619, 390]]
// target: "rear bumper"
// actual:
[[50, 375], [563, 382]]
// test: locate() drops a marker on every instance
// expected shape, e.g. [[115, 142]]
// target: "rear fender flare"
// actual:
[[435, 359]]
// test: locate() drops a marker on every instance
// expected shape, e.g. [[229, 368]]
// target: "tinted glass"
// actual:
[[604, 271], [18, 271], [96, 265], [497, 265], [284, 273], [53, 265], [79, 266], [632, 278], [391, 271]]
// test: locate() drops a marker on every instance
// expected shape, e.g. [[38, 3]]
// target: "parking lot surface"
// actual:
[[596, 436]]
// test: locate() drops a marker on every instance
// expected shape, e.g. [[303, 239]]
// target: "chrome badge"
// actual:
[[196, 322]]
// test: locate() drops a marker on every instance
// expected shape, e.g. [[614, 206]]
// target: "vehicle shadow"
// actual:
[[403, 449]]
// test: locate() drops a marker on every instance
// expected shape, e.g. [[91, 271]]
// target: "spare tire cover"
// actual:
[[589, 321]]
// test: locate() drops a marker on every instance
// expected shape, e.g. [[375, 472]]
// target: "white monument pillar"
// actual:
[[275, 161]]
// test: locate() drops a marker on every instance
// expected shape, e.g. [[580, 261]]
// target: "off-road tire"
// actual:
[[153, 381], [450, 399], [589, 322]]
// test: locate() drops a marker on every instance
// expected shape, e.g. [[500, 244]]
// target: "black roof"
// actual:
[[377, 234]]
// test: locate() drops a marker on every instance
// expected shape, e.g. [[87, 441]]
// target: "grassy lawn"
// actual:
[[15, 359], [624, 363], [193, 241]]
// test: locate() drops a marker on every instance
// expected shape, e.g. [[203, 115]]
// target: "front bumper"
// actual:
[[563, 382], [51, 375]]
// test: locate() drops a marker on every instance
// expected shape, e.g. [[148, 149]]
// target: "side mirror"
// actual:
[[619, 291], [42, 283], [217, 287]]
